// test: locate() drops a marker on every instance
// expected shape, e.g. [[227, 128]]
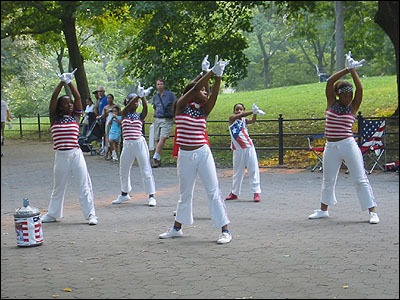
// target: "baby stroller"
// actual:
[[93, 134]]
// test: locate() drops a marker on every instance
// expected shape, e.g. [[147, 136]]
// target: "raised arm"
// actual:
[[183, 101], [128, 106], [218, 69], [234, 117], [53, 102], [355, 104], [330, 86]]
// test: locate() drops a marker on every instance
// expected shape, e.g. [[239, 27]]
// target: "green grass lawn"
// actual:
[[293, 102]]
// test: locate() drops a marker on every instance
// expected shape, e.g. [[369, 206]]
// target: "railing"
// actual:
[[392, 129]]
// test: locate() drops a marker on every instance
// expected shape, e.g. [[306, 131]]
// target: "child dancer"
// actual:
[[341, 145], [244, 152], [69, 160], [114, 135], [135, 147], [195, 156]]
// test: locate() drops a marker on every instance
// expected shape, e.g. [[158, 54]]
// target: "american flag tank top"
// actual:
[[339, 121], [65, 132], [239, 135], [191, 127], [132, 126]]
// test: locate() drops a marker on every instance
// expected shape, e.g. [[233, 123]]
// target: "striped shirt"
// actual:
[[239, 134], [339, 121], [65, 132], [191, 127], [132, 126]]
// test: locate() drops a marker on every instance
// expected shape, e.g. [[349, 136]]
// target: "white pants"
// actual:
[[67, 163], [136, 149], [191, 163], [243, 158], [348, 151]]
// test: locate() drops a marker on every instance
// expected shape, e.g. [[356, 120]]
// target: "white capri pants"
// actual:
[[67, 163], [189, 164], [348, 151], [136, 149], [243, 158]]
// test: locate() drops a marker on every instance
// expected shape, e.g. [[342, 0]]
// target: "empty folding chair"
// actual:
[[372, 144]]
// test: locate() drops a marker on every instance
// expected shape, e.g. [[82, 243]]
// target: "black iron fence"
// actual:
[[282, 135]]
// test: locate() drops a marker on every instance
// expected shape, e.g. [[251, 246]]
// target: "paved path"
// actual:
[[276, 251]]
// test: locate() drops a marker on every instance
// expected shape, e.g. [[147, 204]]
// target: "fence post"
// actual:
[[280, 139], [20, 125], [38, 121], [359, 122]]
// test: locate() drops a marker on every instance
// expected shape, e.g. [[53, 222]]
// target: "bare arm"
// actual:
[[234, 117], [212, 99], [128, 107], [144, 110], [53, 102], [77, 102], [183, 101], [330, 88], [355, 104]]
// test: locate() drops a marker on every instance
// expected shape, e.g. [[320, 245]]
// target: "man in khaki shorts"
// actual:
[[163, 119]]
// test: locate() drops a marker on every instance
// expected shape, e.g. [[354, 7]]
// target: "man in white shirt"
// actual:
[[5, 115]]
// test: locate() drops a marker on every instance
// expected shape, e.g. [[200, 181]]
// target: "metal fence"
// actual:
[[280, 134]]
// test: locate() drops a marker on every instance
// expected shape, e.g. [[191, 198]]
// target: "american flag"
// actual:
[[372, 132]]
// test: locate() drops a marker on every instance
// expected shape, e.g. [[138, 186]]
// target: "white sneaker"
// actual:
[[121, 199], [373, 218], [224, 238], [318, 213], [92, 220], [152, 201], [171, 233], [47, 219]]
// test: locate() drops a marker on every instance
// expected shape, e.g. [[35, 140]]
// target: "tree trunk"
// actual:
[[339, 35], [61, 68], [265, 61], [75, 58], [387, 17]]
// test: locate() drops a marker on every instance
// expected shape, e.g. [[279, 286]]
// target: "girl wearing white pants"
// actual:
[[135, 147], [340, 145], [69, 160], [244, 153], [194, 156]]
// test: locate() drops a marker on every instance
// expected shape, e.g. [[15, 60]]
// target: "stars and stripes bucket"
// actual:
[[28, 225]]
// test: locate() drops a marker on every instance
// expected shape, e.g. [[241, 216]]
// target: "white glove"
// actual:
[[256, 110], [67, 77], [9, 124], [147, 91], [219, 67], [140, 91], [205, 65], [351, 63]]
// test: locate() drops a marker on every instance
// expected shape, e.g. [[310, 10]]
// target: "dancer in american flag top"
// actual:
[[341, 145], [69, 160], [195, 156], [244, 152], [135, 147]]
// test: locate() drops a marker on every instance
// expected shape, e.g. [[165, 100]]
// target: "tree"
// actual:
[[176, 35], [339, 35], [387, 17], [39, 17], [272, 34]]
